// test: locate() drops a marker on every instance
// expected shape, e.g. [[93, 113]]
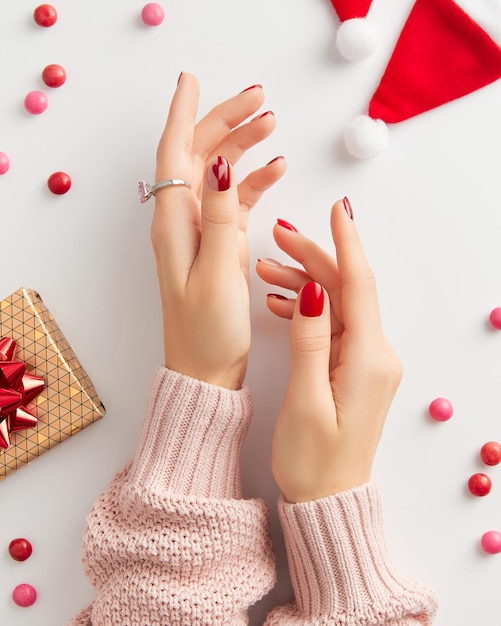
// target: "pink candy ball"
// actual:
[[491, 542], [4, 163], [36, 102], [495, 318], [24, 595], [441, 409], [152, 14]]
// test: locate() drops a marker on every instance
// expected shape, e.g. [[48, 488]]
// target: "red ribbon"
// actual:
[[17, 388]]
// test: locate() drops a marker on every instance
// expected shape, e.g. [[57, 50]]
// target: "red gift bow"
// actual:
[[17, 388]]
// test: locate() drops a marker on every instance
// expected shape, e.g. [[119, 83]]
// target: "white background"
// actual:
[[428, 210]]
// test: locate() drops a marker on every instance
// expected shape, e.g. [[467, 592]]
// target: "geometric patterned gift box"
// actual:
[[68, 402]]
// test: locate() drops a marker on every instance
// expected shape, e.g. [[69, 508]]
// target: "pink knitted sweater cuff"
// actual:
[[191, 438], [339, 563]]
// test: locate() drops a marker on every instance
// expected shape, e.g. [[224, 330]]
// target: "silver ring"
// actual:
[[145, 190]]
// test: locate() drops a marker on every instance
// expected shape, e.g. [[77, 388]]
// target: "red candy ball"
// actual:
[[20, 549], [59, 183], [24, 595], [54, 75], [479, 485], [36, 102], [441, 409], [491, 542], [45, 15], [490, 453], [495, 318]]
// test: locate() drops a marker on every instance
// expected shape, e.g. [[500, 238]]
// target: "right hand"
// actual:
[[344, 373]]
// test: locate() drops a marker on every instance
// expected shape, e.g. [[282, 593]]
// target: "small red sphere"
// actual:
[[490, 453], [20, 549], [24, 595], [59, 183], [152, 14], [54, 75], [491, 542], [441, 409], [479, 485], [45, 15], [36, 102]]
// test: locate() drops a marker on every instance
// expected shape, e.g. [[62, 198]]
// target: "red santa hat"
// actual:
[[356, 37], [446, 50]]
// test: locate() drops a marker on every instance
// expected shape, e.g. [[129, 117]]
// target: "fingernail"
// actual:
[[219, 174], [275, 159], [257, 85], [270, 262], [276, 296], [347, 207], [179, 77], [265, 114], [286, 225], [312, 300]]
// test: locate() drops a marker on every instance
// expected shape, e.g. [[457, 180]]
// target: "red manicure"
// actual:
[[276, 296], [347, 207], [285, 224], [252, 87], [312, 300], [179, 78], [275, 159], [218, 174]]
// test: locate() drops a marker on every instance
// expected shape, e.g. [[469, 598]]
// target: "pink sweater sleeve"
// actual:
[[340, 568], [171, 542]]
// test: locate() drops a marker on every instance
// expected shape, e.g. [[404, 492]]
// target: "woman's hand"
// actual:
[[344, 374], [199, 234]]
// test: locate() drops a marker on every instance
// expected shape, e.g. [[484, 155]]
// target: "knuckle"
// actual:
[[312, 342]]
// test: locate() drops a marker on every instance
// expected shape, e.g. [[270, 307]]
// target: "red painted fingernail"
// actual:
[[179, 77], [275, 159], [252, 87], [265, 114], [285, 224], [347, 207], [218, 174], [312, 300], [276, 296], [269, 261]]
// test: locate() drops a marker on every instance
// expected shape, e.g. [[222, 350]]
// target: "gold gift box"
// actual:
[[68, 402]]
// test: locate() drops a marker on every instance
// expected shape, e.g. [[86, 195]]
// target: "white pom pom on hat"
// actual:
[[356, 38], [446, 50]]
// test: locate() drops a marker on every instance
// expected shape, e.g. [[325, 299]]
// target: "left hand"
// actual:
[[199, 234]]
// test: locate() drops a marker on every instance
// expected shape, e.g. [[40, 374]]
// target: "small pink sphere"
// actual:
[[152, 14], [4, 163], [24, 595], [20, 549], [54, 75], [490, 453], [491, 542], [45, 15], [59, 183], [441, 409], [479, 485], [495, 318], [36, 102]]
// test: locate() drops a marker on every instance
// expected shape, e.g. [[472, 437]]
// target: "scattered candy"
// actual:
[[20, 549], [45, 15], [54, 75], [59, 183], [495, 318], [4, 163], [490, 453], [479, 484], [441, 409], [491, 542], [24, 595], [36, 102], [152, 14]]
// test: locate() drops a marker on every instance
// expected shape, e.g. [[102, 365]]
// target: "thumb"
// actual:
[[220, 216], [310, 345]]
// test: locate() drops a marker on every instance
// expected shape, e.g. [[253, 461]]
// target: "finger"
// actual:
[[174, 149], [241, 139], [282, 276], [223, 118], [280, 305], [359, 299], [310, 347], [220, 218]]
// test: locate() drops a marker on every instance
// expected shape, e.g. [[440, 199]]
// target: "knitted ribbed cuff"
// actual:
[[191, 438], [339, 563]]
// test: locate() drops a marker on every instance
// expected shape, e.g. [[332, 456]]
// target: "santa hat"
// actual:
[[356, 38], [446, 50]]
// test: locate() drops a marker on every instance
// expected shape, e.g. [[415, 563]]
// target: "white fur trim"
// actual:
[[356, 39], [487, 14], [366, 138]]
